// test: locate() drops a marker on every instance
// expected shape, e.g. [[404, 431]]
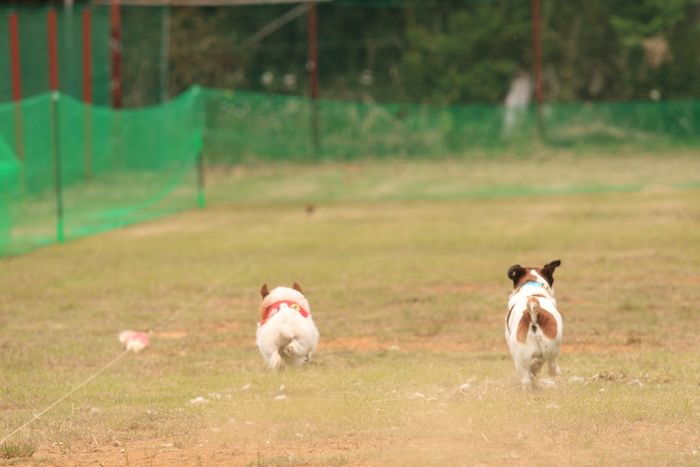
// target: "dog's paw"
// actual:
[[547, 384], [294, 349]]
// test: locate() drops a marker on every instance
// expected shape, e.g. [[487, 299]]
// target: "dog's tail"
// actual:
[[533, 306], [294, 349]]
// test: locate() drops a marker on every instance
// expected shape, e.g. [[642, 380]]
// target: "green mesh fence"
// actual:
[[88, 169], [244, 126], [9, 191], [406, 78]]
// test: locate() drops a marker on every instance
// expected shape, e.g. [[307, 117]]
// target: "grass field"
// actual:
[[404, 265]]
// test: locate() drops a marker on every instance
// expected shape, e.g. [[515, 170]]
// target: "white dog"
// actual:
[[286, 334], [533, 325]]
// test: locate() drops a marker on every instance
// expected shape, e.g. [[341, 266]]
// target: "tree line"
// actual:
[[440, 51]]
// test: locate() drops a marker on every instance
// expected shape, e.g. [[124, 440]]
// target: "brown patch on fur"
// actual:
[[508, 317], [523, 328], [263, 311], [548, 324], [548, 271], [539, 295], [527, 277], [545, 320]]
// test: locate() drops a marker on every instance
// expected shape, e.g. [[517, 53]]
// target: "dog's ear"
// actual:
[[297, 287], [548, 271], [264, 292], [515, 273]]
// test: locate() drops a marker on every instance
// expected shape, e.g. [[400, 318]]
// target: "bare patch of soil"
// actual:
[[163, 452]]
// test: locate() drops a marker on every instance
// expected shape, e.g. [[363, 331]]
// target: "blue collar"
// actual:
[[536, 284]]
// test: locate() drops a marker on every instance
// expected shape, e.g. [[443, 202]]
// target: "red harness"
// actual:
[[277, 306]]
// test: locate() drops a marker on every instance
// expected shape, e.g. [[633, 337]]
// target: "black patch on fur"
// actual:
[[548, 271], [515, 273]]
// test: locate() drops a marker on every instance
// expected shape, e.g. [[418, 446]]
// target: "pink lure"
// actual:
[[135, 341]]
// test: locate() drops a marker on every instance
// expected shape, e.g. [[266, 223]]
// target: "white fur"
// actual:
[[538, 348], [287, 338], [540, 279]]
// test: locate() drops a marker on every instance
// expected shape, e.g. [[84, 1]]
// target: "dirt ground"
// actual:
[[158, 453], [352, 451]]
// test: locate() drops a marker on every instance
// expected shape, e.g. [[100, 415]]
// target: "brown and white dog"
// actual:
[[533, 325], [286, 335]]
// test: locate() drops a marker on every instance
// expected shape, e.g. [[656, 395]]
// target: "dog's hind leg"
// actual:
[[553, 368], [526, 376], [529, 382], [276, 362], [536, 364]]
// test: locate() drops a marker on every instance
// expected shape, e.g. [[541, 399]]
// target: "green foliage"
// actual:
[[17, 450], [431, 51], [648, 19], [622, 50], [469, 56], [447, 51]]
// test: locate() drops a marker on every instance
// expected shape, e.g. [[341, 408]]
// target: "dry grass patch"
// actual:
[[412, 368]]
